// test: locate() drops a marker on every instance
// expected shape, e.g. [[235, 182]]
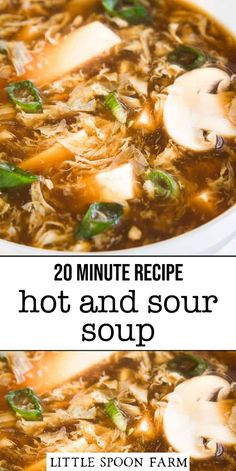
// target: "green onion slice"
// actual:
[[116, 415], [134, 12], [188, 365], [13, 177], [25, 403], [164, 184], [26, 96], [118, 110], [99, 218], [187, 57]]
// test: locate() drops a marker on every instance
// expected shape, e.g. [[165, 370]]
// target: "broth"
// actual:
[[75, 415], [148, 205]]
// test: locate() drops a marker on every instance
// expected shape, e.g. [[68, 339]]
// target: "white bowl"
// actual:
[[206, 239]]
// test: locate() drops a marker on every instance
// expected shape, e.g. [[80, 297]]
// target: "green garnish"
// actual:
[[164, 184], [25, 403], [118, 110], [188, 365], [187, 57], [135, 12], [116, 415], [13, 177], [99, 218], [25, 95]]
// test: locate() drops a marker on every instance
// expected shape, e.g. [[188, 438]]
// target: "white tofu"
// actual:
[[115, 185], [55, 368], [90, 42]]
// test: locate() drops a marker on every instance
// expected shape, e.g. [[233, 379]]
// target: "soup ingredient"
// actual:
[[134, 233], [134, 13], [25, 403], [58, 367], [13, 177], [165, 185], [99, 218], [26, 96], [19, 364], [195, 111], [87, 43], [73, 446], [116, 415], [115, 185], [187, 57], [19, 56], [3, 47], [79, 7], [145, 428], [118, 110], [55, 155], [145, 120], [188, 365], [195, 419]]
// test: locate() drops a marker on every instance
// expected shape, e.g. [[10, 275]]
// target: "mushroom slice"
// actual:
[[195, 419], [195, 111]]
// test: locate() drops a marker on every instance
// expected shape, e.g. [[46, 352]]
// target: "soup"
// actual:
[[117, 122], [132, 402]]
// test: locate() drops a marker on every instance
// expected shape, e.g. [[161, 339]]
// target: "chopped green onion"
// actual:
[[116, 415], [25, 403], [188, 365], [135, 12], [99, 218], [25, 95], [118, 110], [14, 177], [187, 57], [164, 184]]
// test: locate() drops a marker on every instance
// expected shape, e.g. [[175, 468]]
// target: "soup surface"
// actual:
[[117, 122], [124, 405]]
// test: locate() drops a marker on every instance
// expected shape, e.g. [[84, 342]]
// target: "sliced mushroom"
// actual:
[[195, 420], [195, 111]]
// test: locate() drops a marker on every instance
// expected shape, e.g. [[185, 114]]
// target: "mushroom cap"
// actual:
[[196, 413], [196, 105]]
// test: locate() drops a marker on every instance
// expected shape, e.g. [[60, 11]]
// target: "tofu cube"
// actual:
[[73, 51]]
